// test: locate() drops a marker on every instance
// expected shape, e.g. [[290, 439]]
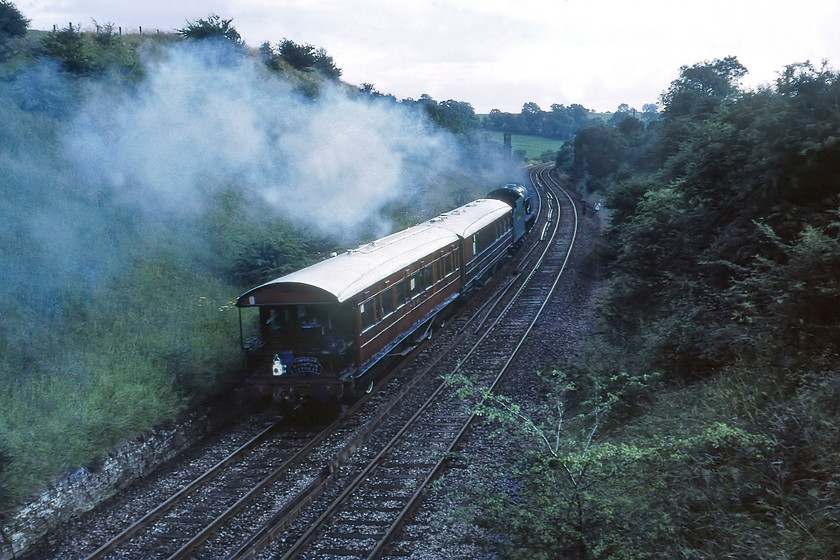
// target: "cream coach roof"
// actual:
[[344, 276]]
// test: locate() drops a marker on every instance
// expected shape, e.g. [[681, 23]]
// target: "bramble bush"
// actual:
[[581, 491]]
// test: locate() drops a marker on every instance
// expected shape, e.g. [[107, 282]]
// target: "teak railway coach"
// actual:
[[323, 327]]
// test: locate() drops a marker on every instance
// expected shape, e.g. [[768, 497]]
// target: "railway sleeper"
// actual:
[[373, 524], [168, 537], [394, 475], [391, 483], [419, 465], [338, 554], [356, 535]]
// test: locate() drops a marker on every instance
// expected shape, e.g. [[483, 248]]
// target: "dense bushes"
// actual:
[[723, 259], [743, 197]]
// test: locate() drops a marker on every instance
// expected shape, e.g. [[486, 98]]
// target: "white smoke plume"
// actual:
[[203, 120]]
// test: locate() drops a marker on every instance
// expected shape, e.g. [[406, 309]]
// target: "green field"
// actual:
[[533, 146]]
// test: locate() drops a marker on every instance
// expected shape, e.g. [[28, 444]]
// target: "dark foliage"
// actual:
[[302, 57], [214, 27], [68, 46], [723, 257], [299, 57], [702, 88], [12, 22], [456, 116], [738, 212]]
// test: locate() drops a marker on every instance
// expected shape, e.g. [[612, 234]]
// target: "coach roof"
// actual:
[[342, 277]]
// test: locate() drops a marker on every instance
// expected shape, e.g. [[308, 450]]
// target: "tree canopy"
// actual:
[[702, 88], [561, 122], [12, 22], [214, 27], [300, 56]]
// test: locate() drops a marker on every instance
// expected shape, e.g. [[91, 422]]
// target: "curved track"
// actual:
[[361, 520]]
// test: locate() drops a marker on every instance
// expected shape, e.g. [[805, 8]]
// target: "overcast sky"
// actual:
[[503, 53]]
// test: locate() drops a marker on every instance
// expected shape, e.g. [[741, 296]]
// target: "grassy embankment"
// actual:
[[117, 287]]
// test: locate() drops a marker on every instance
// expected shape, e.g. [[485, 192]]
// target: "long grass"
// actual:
[[102, 371]]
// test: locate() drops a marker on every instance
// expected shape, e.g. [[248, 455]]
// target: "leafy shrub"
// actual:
[[268, 256], [68, 46], [12, 22], [579, 491], [793, 300], [214, 27]]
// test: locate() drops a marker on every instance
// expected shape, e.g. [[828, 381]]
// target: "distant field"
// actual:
[[534, 146]]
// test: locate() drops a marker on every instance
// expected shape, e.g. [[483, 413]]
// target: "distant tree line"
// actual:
[[458, 117], [561, 122]]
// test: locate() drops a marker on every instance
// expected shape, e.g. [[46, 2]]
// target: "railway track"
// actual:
[[344, 491], [361, 520]]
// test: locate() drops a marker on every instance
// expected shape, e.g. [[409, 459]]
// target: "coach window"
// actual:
[[415, 283], [401, 289], [428, 277], [368, 318], [387, 302]]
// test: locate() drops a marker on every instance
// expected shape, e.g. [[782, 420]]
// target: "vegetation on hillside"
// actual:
[[702, 418], [147, 181]]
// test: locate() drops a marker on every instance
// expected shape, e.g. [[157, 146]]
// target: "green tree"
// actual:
[[702, 88], [599, 151], [214, 27], [531, 118], [12, 22], [325, 65], [277, 251], [68, 46], [504, 122], [270, 56], [106, 35], [558, 123], [299, 56]]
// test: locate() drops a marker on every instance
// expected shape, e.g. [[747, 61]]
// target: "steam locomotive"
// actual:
[[322, 328]]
